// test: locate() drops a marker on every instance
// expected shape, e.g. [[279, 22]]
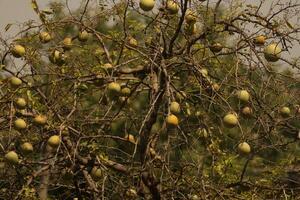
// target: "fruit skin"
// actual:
[[230, 120], [57, 57], [45, 37], [172, 120], [26, 147], [113, 89], [260, 40], [12, 157], [96, 173], [40, 119], [20, 124], [285, 111], [83, 36], [190, 17], [132, 42], [18, 51], [247, 111], [244, 148], [20, 103], [175, 107], [130, 138], [147, 5], [125, 91], [243, 95], [172, 7], [216, 47], [15, 82], [272, 52], [67, 42], [54, 141]]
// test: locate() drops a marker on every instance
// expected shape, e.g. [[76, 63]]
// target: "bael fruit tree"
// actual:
[[152, 99]]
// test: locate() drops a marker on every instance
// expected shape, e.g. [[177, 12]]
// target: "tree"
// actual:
[[180, 99]]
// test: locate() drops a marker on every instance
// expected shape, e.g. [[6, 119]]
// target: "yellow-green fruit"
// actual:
[[247, 111], [18, 51], [147, 5], [40, 119], [172, 120], [190, 17], [244, 148], [132, 42], [15, 82], [130, 138], [20, 124], [285, 111], [172, 7], [20, 103], [125, 91], [260, 40], [83, 36], [26, 147], [54, 141], [96, 173], [67, 42], [12, 157], [230, 120], [272, 52], [45, 37], [175, 107], [216, 47], [114, 88], [243, 95]]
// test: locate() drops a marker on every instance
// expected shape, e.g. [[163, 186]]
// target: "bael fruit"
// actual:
[[285, 111], [18, 51], [96, 173], [243, 95], [175, 107], [230, 120], [147, 5], [20, 103], [40, 120], [260, 40], [132, 41], [114, 89], [67, 42], [12, 157], [216, 47], [247, 111], [190, 17], [172, 7], [125, 91], [172, 120], [45, 37], [272, 52], [15, 82], [54, 141], [20, 124], [244, 148], [83, 36], [26, 148]]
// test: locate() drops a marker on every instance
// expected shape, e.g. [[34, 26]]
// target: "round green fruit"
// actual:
[[190, 17], [12, 157], [40, 120], [216, 47], [15, 82], [244, 148], [45, 37], [83, 36], [247, 111], [125, 91], [172, 7], [20, 124], [18, 51], [147, 5], [132, 42], [285, 111], [175, 107], [272, 52], [20, 103], [67, 42], [230, 120], [96, 173], [54, 141], [27, 148], [114, 88], [243, 95]]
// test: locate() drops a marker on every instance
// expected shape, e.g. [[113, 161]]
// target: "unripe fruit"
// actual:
[[172, 7], [172, 120], [272, 52], [247, 111], [20, 124], [147, 5], [96, 173], [244, 148], [54, 141], [45, 37], [125, 91], [260, 40], [67, 42], [18, 51], [190, 17], [20, 103], [15, 82], [132, 42], [175, 107], [26, 148], [114, 88], [40, 119], [216, 47], [130, 138], [83, 36], [285, 111], [230, 120], [243, 95], [12, 157]]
